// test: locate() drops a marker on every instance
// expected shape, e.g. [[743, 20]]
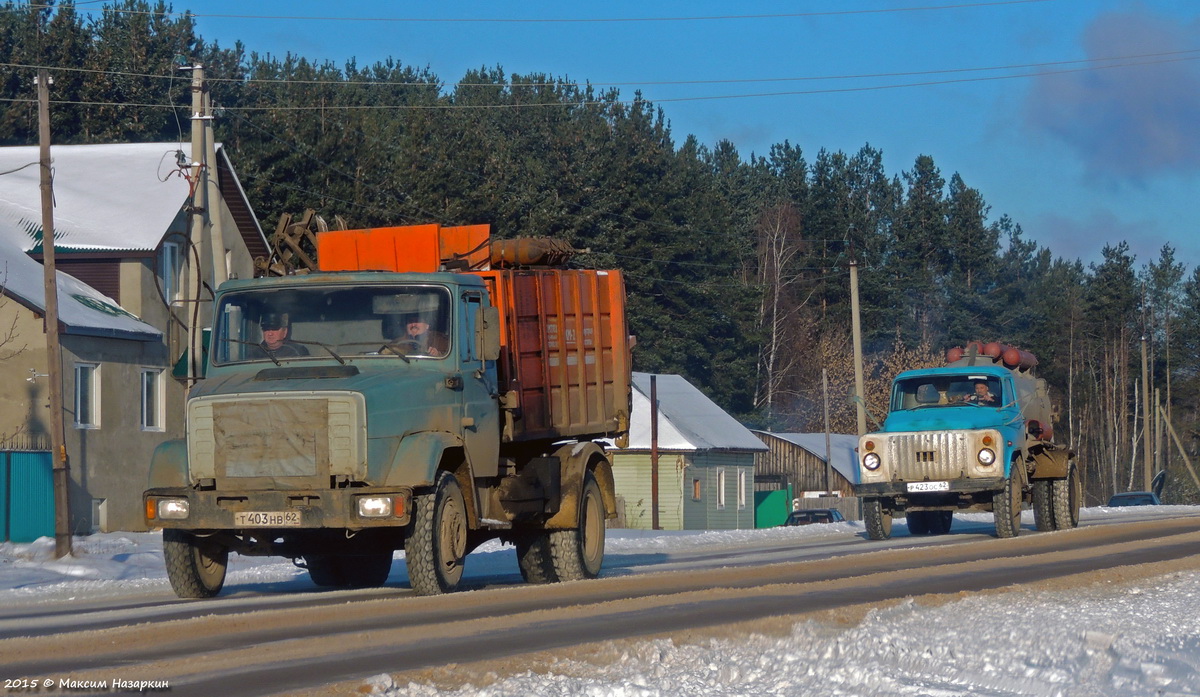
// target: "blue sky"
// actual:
[[1078, 159]]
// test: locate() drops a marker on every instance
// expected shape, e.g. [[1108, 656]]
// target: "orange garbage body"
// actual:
[[564, 343], [564, 349], [409, 248]]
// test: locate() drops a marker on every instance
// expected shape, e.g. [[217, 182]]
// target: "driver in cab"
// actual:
[[981, 395]]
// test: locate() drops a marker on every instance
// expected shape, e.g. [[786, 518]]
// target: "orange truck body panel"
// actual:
[[408, 248], [564, 343]]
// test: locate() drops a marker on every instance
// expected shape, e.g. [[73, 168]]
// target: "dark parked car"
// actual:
[[815, 515], [1134, 498]]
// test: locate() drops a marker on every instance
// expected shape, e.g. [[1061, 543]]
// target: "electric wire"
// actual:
[[566, 20], [644, 83]]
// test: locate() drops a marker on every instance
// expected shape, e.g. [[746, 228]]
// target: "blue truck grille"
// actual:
[[937, 456]]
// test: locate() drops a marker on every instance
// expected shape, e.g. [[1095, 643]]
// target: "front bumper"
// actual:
[[317, 508], [900, 490]]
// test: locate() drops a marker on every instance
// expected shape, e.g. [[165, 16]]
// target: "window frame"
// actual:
[[720, 488], [170, 269], [159, 412], [92, 398]]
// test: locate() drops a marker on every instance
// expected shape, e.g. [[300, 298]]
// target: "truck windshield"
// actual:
[[393, 322], [947, 391]]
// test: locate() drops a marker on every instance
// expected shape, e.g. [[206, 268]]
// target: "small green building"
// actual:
[[705, 462]]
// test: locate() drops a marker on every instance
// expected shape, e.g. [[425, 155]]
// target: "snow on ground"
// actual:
[[1141, 638]]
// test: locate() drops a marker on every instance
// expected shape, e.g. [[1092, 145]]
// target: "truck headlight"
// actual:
[[987, 457], [871, 461], [173, 509], [374, 506]]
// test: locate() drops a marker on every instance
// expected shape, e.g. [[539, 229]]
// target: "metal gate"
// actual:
[[26, 496]]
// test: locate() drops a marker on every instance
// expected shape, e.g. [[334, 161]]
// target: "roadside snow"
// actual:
[[1098, 643], [1130, 640]]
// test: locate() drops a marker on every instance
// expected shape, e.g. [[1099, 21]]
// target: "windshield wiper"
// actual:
[[330, 350]]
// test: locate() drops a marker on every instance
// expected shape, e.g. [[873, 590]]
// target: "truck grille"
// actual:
[[932, 456], [305, 437]]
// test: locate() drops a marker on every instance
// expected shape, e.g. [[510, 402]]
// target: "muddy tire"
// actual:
[[349, 571], [918, 522], [878, 521], [1067, 496], [1043, 504], [437, 547], [534, 560], [195, 565], [578, 553], [1006, 504]]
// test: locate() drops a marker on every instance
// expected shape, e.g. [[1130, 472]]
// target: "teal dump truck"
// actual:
[[974, 435], [409, 396]]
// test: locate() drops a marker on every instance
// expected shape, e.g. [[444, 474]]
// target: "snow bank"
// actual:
[[1105, 641]]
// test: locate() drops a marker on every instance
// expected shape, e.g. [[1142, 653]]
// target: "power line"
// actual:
[[649, 83], [567, 20], [639, 100]]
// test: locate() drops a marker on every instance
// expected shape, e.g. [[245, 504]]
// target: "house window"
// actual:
[[696, 490], [87, 395], [152, 402], [741, 489], [720, 488], [170, 265]]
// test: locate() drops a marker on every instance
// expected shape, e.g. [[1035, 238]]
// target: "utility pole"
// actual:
[[856, 328], [1147, 455], [828, 450], [654, 452], [202, 241], [60, 464]]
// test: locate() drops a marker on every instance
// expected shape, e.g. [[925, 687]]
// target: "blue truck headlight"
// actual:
[[173, 509], [987, 457], [871, 461], [374, 506]]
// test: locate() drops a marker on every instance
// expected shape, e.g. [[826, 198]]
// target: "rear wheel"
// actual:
[[1067, 496], [349, 571], [195, 565], [533, 557], [438, 544], [918, 522], [877, 520], [940, 522], [578, 553]]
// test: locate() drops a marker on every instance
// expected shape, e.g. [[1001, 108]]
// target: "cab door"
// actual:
[[480, 423]]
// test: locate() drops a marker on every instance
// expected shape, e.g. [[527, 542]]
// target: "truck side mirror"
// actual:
[[489, 334]]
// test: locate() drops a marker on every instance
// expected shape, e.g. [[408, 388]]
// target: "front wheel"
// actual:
[[195, 565], [1006, 505], [1043, 504], [878, 521], [578, 553], [438, 544]]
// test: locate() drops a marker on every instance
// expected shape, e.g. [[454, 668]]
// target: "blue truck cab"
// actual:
[[974, 435]]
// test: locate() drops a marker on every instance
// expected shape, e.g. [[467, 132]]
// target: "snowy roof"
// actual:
[[82, 310], [687, 419], [841, 449], [106, 197]]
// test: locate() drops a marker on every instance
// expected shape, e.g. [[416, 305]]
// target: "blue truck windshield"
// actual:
[[947, 391], [274, 325]]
